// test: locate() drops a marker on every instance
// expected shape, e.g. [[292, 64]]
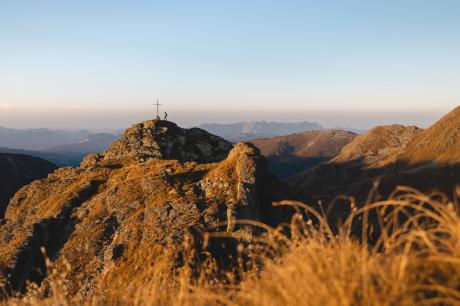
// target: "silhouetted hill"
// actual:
[[243, 131], [18, 170], [291, 154], [60, 160]]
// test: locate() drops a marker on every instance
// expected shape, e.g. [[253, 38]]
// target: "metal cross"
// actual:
[[158, 108]]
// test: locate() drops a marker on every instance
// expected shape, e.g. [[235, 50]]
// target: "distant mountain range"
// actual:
[[243, 131], [68, 148], [63, 151], [38, 139], [92, 143]]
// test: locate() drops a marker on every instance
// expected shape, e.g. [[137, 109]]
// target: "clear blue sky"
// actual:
[[237, 54]]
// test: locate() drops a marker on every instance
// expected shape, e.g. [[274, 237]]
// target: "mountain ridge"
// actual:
[[38, 139], [391, 155], [247, 130]]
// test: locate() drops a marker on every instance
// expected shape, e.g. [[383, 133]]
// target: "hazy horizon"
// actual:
[[109, 120]]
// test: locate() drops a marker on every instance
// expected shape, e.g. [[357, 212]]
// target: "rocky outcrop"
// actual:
[[164, 140], [17, 170], [102, 224]]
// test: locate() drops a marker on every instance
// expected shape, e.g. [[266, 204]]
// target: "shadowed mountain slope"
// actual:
[[291, 154], [18, 170], [368, 156], [61, 160]]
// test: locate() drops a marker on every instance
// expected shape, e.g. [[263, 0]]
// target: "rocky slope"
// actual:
[[18, 170], [105, 222], [292, 154]]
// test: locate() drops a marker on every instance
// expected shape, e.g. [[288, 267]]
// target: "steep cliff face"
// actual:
[[17, 170], [105, 222]]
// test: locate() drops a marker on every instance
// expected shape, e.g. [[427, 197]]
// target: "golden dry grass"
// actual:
[[414, 260]]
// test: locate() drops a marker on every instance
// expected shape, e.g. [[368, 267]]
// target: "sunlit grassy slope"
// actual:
[[408, 255]]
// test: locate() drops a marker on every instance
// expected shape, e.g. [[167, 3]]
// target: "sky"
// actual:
[[102, 64]]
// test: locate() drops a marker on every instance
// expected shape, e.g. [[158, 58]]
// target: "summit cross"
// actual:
[[158, 109]]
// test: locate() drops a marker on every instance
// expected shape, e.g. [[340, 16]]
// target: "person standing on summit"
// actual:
[[166, 116]]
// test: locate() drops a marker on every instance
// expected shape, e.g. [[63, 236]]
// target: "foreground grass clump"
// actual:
[[402, 251]]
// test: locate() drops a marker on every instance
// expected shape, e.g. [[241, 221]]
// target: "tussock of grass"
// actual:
[[407, 252]]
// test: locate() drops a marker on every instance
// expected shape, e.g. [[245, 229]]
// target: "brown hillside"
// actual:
[[365, 159], [439, 144], [306, 144], [17, 170], [379, 146], [428, 160], [291, 154], [105, 222]]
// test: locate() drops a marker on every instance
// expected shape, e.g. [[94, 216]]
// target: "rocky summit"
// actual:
[[103, 223], [164, 140]]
